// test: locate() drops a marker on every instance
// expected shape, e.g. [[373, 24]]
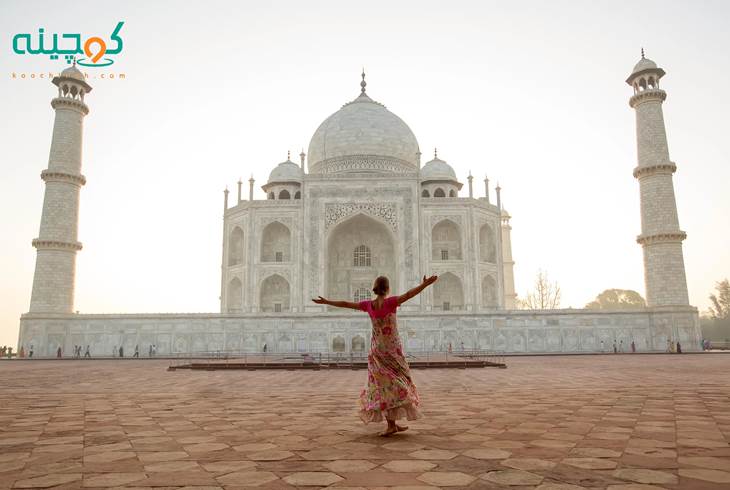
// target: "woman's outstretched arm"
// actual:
[[427, 281], [340, 304]]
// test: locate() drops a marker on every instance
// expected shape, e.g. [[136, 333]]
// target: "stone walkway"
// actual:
[[621, 422]]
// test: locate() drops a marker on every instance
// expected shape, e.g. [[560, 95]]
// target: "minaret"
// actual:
[[508, 264], [57, 244], [661, 238]]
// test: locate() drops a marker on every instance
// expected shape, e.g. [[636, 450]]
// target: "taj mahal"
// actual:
[[361, 203]]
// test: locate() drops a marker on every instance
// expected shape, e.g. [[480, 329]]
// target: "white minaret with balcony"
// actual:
[[57, 242], [508, 263], [661, 238]]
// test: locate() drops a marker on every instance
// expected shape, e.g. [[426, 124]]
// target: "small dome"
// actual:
[[644, 64], [437, 169], [287, 171], [73, 72]]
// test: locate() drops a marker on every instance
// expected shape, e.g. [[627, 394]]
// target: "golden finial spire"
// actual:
[[363, 83]]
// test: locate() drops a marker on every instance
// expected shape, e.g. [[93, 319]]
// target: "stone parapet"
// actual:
[[515, 331]]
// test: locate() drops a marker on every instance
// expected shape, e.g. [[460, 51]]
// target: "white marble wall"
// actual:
[[552, 331], [394, 222]]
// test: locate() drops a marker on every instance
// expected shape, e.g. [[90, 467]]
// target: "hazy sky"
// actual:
[[531, 93]]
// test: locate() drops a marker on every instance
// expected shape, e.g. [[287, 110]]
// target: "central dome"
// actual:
[[363, 136]]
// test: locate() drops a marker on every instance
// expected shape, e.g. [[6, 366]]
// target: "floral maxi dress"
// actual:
[[390, 392]]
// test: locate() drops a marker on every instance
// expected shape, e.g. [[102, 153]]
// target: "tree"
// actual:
[[720, 308], [617, 299], [544, 296]]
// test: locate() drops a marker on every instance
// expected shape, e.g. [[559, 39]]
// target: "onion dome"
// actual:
[[287, 171], [437, 169], [363, 136]]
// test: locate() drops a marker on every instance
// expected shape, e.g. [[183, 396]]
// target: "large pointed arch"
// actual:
[[448, 293], [234, 296], [360, 232], [235, 246], [489, 292], [276, 243], [275, 295], [487, 244], [446, 241]]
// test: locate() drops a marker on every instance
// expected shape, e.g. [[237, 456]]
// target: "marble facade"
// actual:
[[362, 206]]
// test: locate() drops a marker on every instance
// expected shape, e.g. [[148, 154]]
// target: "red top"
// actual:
[[390, 304]]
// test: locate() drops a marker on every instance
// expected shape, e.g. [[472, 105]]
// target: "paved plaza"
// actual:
[[621, 422]]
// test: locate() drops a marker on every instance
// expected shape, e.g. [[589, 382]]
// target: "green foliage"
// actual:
[[720, 309], [617, 299]]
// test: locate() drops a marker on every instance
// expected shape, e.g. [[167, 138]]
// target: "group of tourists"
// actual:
[[674, 347], [119, 352], [619, 348], [77, 352]]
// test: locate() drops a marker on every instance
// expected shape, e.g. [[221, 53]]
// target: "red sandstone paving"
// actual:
[[619, 422]]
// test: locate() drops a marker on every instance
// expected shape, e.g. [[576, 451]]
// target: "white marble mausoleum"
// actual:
[[360, 204]]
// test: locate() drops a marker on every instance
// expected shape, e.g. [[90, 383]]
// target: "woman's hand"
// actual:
[[427, 281], [321, 301]]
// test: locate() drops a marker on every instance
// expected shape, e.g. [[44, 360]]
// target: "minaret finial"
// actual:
[[363, 83], [642, 53], [288, 155], [435, 153]]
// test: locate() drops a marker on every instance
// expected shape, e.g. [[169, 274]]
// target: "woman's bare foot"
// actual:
[[401, 428], [389, 431]]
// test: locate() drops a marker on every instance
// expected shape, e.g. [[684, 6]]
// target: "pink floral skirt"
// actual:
[[390, 393]]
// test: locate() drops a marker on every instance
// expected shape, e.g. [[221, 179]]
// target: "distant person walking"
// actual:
[[602, 346], [136, 351], [679, 347], [615, 348], [88, 352], [621, 345], [121, 351], [390, 393], [30, 351], [59, 352], [633, 347]]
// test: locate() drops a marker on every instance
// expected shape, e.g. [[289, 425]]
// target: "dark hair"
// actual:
[[381, 285]]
